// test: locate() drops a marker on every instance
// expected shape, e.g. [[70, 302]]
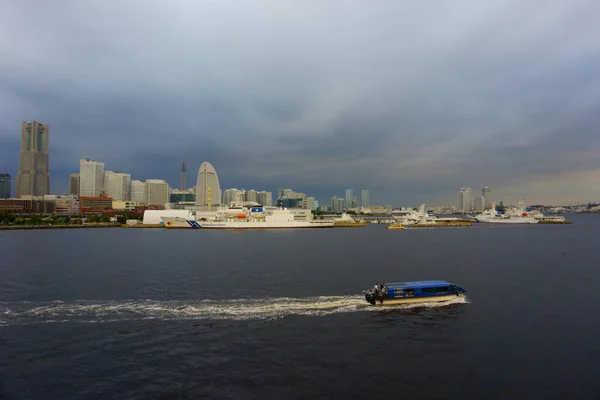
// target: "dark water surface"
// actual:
[[145, 314]]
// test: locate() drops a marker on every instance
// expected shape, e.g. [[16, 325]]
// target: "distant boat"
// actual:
[[512, 216], [413, 292]]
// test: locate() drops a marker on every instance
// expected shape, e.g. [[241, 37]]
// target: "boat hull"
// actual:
[[263, 225], [420, 299], [179, 223], [507, 220]]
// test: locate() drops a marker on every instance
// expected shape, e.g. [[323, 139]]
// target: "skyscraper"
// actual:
[[91, 178], [207, 179], [74, 184], [158, 191], [117, 185], [349, 198], [33, 178], [139, 191], [464, 199], [364, 198], [486, 192], [4, 186]]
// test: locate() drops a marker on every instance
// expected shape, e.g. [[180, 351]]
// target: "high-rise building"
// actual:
[[231, 195], [117, 185], [251, 195], [479, 203], [91, 178], [486, 192], [311, 204], [183, 175], [265, 198], [349, 198], [464, 199], [364, 198], [207, 179], [33, 178], [139, 191], [74, 184], [4, 186], [158, 191]]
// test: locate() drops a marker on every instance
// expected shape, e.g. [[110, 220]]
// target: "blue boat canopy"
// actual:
[[417, 285]]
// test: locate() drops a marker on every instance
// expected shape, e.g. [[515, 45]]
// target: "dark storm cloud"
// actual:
[[409, 99]]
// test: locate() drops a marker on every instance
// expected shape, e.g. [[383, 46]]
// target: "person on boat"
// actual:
[[382, 289]]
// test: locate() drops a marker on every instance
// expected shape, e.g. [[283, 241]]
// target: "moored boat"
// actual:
[[413, 292]]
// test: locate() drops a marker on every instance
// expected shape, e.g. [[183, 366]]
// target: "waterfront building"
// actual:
[[139, 192], [126, 205], [349, 198], [311, 203], [265, 198], [231, 195], [4, 186], [182, 196], [95, 204], [117, 185], [158, 191], [33, 177], [464, 199], [91, 178], [479, 203], [64, 205], [251, 195], [364, 198], [486, 192], [27, 206], [74, 184], [208, 191]]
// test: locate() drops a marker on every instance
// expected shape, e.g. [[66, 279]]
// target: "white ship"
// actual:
[[420, 216], [512, 216], [241, 217]]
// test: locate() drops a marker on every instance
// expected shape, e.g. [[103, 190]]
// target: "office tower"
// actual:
[[364, 198], [479, 203], [139, 191], [158, 191], [464, 199], [310, 203], [486, 192], [74, 184], [207, 179], [91, 178], [33, 177], [117, 185], [183, 175], [265, 198], [4, 186], [349, 198], [339, 205], [251, 195], [231, 195], [354, 202]]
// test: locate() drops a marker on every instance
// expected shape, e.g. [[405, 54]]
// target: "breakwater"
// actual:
[[553, 221]]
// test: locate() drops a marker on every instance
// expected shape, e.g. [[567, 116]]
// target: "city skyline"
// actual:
[[474, 94]]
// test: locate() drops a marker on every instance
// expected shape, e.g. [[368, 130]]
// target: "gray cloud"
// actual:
[[411, 100]]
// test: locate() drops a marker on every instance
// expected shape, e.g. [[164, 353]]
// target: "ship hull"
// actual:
[[414, 300], [506, 220], [263, 225]]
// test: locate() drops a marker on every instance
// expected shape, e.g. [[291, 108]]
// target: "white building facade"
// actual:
[[91, 178]]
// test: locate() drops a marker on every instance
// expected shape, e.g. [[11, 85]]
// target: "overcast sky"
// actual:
[[411, 99]]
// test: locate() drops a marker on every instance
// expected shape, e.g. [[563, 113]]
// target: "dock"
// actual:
[[443, 224], [137, 226]]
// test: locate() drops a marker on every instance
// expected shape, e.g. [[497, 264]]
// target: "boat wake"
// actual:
[[87, 311]]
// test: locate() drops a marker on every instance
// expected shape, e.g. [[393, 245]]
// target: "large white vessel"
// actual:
[[242, 217], [512, 216], [420, 217]]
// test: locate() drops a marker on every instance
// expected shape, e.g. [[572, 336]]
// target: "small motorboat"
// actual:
[[413, 292]]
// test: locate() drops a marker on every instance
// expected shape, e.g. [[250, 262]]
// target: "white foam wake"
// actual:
[[239, 309]]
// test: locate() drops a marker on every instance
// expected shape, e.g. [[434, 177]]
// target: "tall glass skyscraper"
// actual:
[[33, 178], [4, 186], [364, 198]]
